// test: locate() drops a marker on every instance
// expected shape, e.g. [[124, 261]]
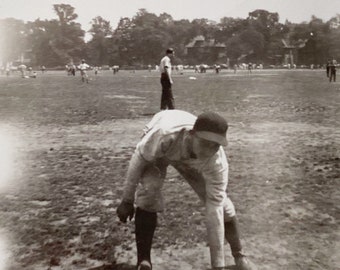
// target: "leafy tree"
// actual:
[[41, 34], [267, 24], [141, 40], [333, 38], [315, 35], [149, 36], [253, 43], [13, 39], [68, 40], [123, 40], [65, 13], [98, 46], [229, 27]]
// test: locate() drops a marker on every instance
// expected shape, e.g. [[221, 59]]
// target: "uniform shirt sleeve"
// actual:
[[215, 174], [154, 145], [135, 170]]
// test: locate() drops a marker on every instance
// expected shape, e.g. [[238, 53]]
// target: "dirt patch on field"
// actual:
[[57, 206]]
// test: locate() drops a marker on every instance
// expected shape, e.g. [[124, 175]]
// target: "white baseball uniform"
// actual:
[[165, 142]]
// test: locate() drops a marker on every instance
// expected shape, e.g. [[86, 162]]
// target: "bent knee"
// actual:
[[229, 210], [151, 179]]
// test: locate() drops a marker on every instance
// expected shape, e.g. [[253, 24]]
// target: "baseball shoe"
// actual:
[[144, 265], [242, 263]]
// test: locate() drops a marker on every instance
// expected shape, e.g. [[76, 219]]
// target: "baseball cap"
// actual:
[[212, 127], [170, 50]]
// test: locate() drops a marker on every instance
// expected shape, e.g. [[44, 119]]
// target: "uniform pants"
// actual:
[[83, 75], [167, 99], [149, 193]]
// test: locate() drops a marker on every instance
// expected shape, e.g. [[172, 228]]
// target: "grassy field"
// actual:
[[65, 146]]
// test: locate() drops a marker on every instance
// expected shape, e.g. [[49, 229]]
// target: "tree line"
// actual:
[[142, 39]]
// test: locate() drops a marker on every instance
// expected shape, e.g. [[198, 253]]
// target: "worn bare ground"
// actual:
[[65, 147]]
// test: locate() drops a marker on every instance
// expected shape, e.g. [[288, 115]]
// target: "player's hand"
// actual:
[[125, 210]]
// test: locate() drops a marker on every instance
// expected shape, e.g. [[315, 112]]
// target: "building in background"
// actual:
[[207, 51]]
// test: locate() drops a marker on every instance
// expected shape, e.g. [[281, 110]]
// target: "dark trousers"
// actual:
[[332, 74], [167, 99]]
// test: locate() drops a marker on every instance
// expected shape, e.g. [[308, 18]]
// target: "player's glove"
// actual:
[[125, 210]]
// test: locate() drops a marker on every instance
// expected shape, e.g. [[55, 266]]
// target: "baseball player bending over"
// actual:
[[192, 145]]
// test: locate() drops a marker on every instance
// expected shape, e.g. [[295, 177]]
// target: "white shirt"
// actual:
[[165, 65], [83, 66]]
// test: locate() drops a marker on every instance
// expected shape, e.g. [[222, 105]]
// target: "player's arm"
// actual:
[[148, 150], [216, 176], [136, 167]]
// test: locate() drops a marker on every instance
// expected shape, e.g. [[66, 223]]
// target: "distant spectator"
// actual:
[[83, 67], [8, 71], [95, 70], [29, 71], [22, 68], [203, 68], [43, 68], [115, 69], [250, 67], [180, 69], [235, 68], [328, 67], [332, 70], [217, 68], [71, 69]]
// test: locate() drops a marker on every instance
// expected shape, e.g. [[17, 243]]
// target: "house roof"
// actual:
[[294, 44], [200, 41]]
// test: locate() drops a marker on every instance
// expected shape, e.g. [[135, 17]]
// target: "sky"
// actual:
[[295, 11]]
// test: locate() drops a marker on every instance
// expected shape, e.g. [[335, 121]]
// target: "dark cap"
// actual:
[[212, 127], [170, 50]]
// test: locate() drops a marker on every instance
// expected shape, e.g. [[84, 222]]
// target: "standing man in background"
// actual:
[[83, 67], [167, 99], [332, 70]]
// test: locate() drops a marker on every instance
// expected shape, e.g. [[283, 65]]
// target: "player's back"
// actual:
[[170, 121]]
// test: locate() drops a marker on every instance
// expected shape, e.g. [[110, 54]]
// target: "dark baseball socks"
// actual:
[[145, 225]]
